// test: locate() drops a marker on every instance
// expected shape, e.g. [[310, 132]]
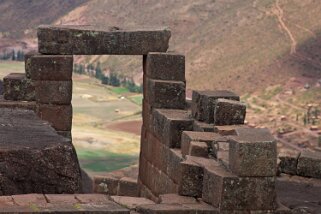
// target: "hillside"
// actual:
[[241, 45]]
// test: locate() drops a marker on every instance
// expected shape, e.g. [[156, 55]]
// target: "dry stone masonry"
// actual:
[[196, 157]]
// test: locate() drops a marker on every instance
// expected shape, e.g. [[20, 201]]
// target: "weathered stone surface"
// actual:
[[29, 199], [31, 105], [165, 94], [59, 116], [127, 187], [92, 198], [18, 87], [37, 160], [164, 209], [131, 202], [309, 164], [165, 66], [168, 125], [174, 159], [176, 199], [203, 103], [228, 192], [51, 67], [106, 184], [198, 149], [97, 40], [191, 180], [66, 134], [189, 136], [54, 92], [202, 127], [27, 63], [253, 153], [227, 130], [289, 161], [229, 112]]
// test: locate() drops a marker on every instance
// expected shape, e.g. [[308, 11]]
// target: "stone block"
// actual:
[[32, 152], [227, 130], [165, 66], [157, 152], [189, 136], [146, 193], [164, 209], [253, 153], [98, 40], [28, 64], [168, 125], [176, 199], [59, 116], [309, 164], [17, 87], [174, 159], [229, 112], [147, 115], [198, 149], [31, 105], [131, 202], [127, 187], [226, 191], [53, 92], [165, 94], [61, 199], [29, 199], [50, 67], [92, 198], [203, 103], [191, 180], [66, 134], [202, 127], [289, 161], [106, 184], [162, 183]]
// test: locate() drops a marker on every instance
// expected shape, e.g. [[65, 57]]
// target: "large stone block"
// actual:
[[165, 94], [28, 63], [18, 87], [50, 67], [253, 153], [165, 66], [168, 125], [58, 116], [54, 92], [226, 191], [229, 112], [98, 40], [203, 103], [289, 161], [309, 164], [191, 180], [174, 159], [34, 158]]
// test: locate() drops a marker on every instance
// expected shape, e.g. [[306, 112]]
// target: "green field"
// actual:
[[95, 107]]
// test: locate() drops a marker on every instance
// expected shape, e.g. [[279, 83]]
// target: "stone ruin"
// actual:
[[196, 156]]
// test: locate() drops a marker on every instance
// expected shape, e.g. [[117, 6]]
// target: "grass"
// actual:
[[7, 67], [104, 161], [119, 90], [138, 99]]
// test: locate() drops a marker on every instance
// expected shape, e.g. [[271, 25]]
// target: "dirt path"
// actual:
[[278, 11]]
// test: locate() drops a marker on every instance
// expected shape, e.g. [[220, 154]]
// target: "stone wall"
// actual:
[[192, 150]]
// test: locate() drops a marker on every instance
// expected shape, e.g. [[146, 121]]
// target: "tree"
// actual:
[[13, 55]]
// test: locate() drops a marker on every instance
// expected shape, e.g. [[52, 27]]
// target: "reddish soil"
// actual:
[[133, 127]]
